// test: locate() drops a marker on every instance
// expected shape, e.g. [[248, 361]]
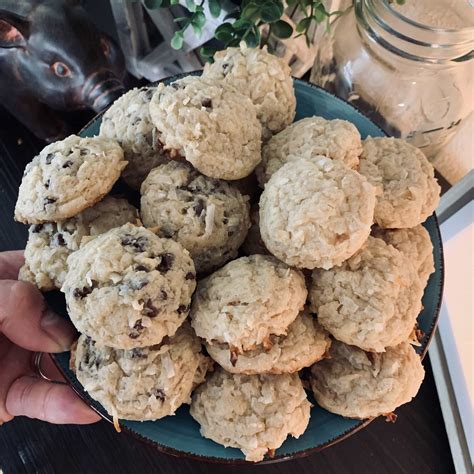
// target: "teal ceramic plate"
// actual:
[[179, 434]]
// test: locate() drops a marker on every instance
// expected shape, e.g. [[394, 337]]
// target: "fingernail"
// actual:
[[58, 329]]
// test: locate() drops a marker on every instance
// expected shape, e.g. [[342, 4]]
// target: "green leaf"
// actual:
[[177, 40], [191, 6], [153, 4], [320, 13], [251, 12], [224, 32], [303, 25], [207, 51], [271, 11], [215, 7], [252, 39], [198, 19], [282, 29], [241, 24]]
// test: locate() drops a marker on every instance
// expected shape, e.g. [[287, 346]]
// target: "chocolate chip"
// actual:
[[150, 310], [49, 158], [182, 308], [136, 121], [142, 268], [190, 276], [67, 164], [175, 86], [48, 201], [137, 353], [207, 103], [60, 240], [81, 292], [225, 66], [36, 228], [149, 94], [225, 221], [137, 328], [167, 233], [199, 207], [159, 394], [231, 233], [167, 260], [46, 184], [163, 295], [83, 152], [138, 243]]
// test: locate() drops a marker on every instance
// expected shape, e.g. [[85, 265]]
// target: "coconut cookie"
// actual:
[[370, 301], [261, 76], [357, 384], [215, 129], [50, 244], [67, 177], [415, 244], [128, 288], [404, 178], [316, 213], [310, 137], [254, 413], [247, 301], [208, 217], [128, 122], [305, 343], [144, 383], [253, 243]]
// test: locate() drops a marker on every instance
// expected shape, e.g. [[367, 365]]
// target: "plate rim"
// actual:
[[283, 457]]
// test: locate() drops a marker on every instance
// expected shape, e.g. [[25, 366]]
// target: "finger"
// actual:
[[25, 321], [56, 403], [15, 362], [10, 263]]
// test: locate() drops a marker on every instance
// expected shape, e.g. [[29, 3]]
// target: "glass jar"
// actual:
[[414, 80]]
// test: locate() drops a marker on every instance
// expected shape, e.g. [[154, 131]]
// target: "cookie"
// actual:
[[208, 217], [261, 76], [128, 122], [253, 243], [316, 213], [415, 244], [67, 177], [371, 300], [50, 244], [305, 343], [357, 384], [307, 138], [404, 178], [254, 413], [247, 301], [128, 288], [215, 129], [145, 383]]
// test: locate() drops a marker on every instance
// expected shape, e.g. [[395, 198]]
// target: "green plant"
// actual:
[[245, 21]]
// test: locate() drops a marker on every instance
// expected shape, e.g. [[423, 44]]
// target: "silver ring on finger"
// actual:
[[37, 358]]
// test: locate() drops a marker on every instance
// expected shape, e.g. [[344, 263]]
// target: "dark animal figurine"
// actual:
[[52, 58]]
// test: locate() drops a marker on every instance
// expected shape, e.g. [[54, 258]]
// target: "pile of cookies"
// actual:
[[215, 293]]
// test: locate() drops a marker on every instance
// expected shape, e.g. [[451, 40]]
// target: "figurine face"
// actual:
[[59, 55]]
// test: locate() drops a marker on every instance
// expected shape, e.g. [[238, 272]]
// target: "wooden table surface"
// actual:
[[416, 443]]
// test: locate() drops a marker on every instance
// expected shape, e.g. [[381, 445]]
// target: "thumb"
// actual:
[[57, 403], [25, 320]]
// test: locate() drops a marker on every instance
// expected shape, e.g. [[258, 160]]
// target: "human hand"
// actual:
[[28, 326]]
